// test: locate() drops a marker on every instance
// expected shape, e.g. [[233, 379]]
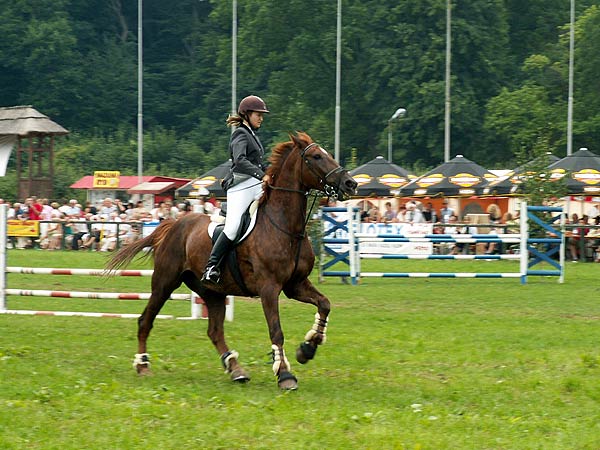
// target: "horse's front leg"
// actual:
[[281, 366], [307, 293]]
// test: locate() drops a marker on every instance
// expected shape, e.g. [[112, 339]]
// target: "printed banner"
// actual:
[[107, 179], [23, 228]]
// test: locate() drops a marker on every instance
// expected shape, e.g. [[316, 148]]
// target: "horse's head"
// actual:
[[323, 172]]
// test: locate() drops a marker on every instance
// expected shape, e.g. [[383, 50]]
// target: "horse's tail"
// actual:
[[153, 241]]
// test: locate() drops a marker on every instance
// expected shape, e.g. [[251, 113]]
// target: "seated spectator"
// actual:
[[452, 229], [389, 214], [374, 215], [91, 239], [108, 233], [413, 214], [401, 214]]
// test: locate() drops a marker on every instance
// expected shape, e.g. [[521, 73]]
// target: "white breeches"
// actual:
[[239, 198]]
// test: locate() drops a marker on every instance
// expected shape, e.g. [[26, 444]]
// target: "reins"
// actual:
[[330, 191]]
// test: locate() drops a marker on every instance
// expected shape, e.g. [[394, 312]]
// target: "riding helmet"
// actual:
[[252, 103]]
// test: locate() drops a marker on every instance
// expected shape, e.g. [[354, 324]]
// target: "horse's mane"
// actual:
[[279, 154]]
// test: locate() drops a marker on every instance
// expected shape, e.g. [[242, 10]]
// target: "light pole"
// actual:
[[400, 112]]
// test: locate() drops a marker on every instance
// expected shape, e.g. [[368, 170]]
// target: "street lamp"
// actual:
[[400, 112]]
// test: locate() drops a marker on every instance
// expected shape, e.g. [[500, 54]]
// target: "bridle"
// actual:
[[328, 189]]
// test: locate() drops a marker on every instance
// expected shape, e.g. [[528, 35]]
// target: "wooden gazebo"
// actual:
[[33, 133]]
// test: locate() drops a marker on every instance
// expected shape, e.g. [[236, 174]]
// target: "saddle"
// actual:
[[246, 226]]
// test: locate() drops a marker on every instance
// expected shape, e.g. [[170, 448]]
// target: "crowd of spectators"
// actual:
[[101, 227]]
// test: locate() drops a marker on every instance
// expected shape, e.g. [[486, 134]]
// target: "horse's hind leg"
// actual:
[[307, 293], [215, 303], [161, 291]]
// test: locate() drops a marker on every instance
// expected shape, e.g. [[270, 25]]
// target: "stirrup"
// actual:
[[212, 274]]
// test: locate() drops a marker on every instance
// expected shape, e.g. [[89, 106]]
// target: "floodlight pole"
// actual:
[[338, 81], [570, 100], [400, 112], [234, 59], [447, 89], [140, 121]]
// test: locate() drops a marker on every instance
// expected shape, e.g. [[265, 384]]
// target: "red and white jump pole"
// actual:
[[198, 309]]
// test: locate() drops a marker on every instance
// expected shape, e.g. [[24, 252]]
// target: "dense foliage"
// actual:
[[76, 61]]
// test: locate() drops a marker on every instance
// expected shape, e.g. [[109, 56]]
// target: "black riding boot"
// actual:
[[212, 272]]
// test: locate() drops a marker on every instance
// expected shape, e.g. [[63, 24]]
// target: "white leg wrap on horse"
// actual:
[[142, 359], [315, 329], [279, 359], [227, 361]]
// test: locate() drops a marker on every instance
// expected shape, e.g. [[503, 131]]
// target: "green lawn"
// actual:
[[409, 364]]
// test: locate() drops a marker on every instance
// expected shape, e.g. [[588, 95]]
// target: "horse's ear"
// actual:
[[296, 139], [300, 139]]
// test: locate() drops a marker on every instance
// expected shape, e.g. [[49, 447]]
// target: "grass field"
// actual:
[[409, 364]]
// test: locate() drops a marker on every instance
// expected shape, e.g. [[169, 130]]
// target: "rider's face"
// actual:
[[255, 118]]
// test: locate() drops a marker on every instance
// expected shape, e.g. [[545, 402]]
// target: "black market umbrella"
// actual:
[[208, 184], [379, 177], [511, 184], [459, 177], [582, 172]]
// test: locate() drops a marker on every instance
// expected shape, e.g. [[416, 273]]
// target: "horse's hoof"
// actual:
[[305, 352], [240, 376], [143, 370], [287, 382]]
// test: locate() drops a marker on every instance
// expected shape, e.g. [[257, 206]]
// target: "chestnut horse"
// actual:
[[276, 256]]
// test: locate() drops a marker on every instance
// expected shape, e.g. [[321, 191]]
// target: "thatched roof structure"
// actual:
[[25, 120]]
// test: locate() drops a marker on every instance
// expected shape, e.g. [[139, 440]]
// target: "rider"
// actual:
[[243, 184]]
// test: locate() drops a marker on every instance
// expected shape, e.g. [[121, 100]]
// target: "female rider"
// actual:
[[243, 184]]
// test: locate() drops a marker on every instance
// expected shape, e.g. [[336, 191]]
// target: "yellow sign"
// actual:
[[108, 179], [23, 228]]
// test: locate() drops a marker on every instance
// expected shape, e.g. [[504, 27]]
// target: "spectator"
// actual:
[[79, 228], [413, 214], [429, 214], [35, 208], [574, 241], [108, 233], [161, 212], [374, 215], [108, 207], [89, 207], [120, 206], [389, 214], [91, 239], [74, 208], [446, 212], [494, 213], [401, 215], [452, 229]]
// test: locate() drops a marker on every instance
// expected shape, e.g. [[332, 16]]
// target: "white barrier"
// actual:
[[348, 247], [197, 312]]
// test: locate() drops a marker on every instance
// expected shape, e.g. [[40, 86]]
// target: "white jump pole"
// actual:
[[3, 237], [199, 311], [523, 252]]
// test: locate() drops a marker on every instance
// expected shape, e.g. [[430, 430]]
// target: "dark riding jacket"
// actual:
[[247, 154]]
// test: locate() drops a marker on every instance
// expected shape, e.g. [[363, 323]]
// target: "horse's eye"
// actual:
[[317, 156]]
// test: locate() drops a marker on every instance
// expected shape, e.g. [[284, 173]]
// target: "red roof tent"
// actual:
[[128, 181]]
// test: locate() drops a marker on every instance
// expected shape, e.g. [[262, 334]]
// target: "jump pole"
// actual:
[[3, 236], [198, 309]]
